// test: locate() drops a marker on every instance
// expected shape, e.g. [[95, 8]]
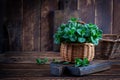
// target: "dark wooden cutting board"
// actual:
[[59, 69]]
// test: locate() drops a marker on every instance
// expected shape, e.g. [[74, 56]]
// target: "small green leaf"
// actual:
[[66, 62], [81, 39], [72, 31], [45, 60], [79, 31], [94, 41], [73, 38], [66, 30], [85, 62], [78, 62], [62, 26], [73, 19], [93, 32], [41, 61], [65, 36], [38, 61]]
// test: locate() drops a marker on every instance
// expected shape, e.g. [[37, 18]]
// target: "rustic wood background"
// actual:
[[29, 25], [27, 28]]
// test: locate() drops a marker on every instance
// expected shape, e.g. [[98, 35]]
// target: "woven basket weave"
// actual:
[[110, 46], [75, 50]]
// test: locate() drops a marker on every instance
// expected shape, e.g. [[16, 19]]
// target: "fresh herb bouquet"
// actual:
[[77, 39], [75, 31]]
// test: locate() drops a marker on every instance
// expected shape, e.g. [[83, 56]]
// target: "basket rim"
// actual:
[[78, 44], [111, 35], [108, 40]]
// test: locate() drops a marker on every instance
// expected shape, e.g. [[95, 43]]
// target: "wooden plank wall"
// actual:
[[116, 17], [32, 23], [104, 14], [47, 9], [3, 38], [14, 27]]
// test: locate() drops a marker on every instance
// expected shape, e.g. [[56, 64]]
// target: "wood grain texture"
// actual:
[[116, 17], [98, 51], [68, 4], [47, 9], [94, 67], [28, 33], [24, 66], [66, 78], [14, 27], [31, 25], [30, 57], [103, 15], [42, 72], [87, 10], [37, 28], [59, 69], [27, 26]]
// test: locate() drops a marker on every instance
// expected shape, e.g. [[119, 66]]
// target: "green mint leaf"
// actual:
[[73, 19], [81, 39], [79, 31], [85, 62], [38, 61], [66, 62], [78, 62], [41, 61], [73, 38], [45, 60]]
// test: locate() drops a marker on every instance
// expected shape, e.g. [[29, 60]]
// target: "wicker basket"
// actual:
[[110, 46], [75, 50]]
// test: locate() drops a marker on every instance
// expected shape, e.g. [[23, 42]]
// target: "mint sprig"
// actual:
[[80, 63], [41, 61], [76, 32]]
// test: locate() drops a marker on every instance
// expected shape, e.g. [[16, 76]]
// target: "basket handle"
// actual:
[[81, 22], [116, 40]]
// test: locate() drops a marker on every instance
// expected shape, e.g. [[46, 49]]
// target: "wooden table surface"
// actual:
[[32, 71]]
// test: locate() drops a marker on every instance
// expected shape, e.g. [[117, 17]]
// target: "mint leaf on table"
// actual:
[[85, 62], [41, 61], [66, 62], [45, 60], [38, 61], [80, 63]]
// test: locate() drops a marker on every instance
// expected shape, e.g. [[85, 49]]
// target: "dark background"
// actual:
[[29, 25]]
